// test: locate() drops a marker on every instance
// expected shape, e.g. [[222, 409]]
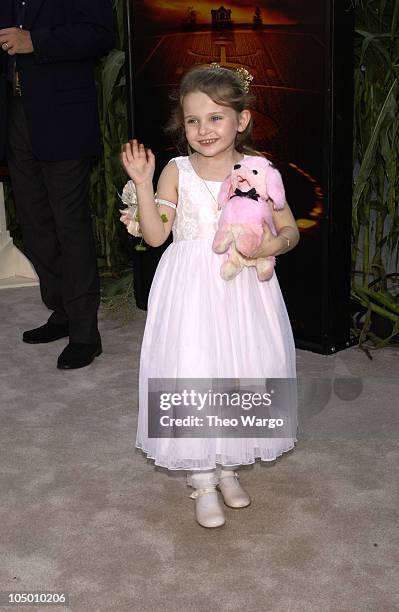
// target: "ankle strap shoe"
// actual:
[[208, 510], [234, 495]]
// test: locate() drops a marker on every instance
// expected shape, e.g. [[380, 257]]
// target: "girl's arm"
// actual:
[[139, 163], [287, 232]]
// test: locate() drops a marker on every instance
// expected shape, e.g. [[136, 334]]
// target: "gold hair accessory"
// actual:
[[246, 78], [244, 75]]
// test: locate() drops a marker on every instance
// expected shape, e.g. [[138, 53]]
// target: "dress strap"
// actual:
[[182, 162]]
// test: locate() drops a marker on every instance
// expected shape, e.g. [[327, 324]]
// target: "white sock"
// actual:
[[226, 469], [206, 478]]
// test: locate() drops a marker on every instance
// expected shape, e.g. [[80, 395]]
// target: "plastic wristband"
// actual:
[[159, 201]]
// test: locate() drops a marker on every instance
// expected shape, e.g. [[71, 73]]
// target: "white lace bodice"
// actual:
[[197, 213]]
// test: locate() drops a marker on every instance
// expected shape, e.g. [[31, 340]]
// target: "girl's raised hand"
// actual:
[[138, 162]]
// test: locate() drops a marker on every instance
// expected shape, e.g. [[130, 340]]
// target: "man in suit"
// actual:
[[49, 110]]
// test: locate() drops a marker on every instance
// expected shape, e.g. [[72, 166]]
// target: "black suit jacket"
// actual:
[[59, 94], [2, 110]]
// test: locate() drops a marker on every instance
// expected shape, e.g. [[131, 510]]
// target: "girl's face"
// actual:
[[211, 129]]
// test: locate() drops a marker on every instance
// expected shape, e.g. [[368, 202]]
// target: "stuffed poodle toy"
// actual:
[[246, 198]]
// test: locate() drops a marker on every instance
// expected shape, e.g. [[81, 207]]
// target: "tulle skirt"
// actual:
[[200, 326]]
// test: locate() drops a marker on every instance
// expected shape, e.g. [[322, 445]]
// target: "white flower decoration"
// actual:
[[130, 215]]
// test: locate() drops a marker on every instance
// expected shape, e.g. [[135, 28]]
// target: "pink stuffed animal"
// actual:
[[245, 202]]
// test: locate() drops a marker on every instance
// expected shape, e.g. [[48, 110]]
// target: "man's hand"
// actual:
[[15, 40]]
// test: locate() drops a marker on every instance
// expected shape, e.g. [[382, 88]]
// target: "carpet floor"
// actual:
[[85, 513]]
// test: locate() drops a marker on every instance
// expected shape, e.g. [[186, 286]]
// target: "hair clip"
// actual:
[[243, 74], [245, 77]]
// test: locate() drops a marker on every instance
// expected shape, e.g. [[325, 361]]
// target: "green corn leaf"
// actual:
[[111, 70], [369, 156], [395, 18]]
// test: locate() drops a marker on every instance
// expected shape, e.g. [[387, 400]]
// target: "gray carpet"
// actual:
[[84, 512]]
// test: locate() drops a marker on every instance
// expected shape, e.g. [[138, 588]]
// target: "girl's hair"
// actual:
[[225, 88]]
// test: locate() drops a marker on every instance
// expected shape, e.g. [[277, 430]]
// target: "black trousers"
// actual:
[[53, 210]]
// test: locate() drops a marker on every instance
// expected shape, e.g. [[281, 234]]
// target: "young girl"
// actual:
[[199, 325]]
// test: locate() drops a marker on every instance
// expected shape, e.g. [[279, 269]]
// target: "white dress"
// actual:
[[201, 326]]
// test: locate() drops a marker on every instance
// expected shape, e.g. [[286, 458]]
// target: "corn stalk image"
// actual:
[[375, 221], [108, 177]]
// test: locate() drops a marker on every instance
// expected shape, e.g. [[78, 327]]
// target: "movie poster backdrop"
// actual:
[[287, 47]]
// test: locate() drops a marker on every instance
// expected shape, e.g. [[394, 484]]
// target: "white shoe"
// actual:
[[208, 510], [233, 494]]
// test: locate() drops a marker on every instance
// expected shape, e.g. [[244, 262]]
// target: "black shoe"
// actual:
[[46, 333], [78, 355]]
